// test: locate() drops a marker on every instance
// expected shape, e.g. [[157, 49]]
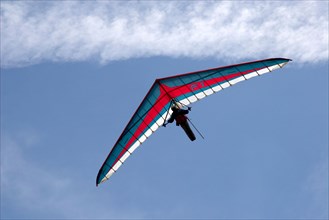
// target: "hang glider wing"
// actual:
[[186, 88]]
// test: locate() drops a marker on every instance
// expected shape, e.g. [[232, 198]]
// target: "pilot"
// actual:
[[178, 115]]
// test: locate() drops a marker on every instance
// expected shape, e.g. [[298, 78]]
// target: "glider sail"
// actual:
[[186, 89]]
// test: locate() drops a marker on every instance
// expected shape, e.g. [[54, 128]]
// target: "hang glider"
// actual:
[[186, 89]]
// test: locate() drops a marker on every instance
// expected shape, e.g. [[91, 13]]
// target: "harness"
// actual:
[[180, 119]]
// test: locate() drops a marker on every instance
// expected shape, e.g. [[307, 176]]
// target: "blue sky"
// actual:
[[72, 74]]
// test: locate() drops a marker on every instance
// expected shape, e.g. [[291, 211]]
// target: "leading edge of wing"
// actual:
[[148, 117], [223, 67], [191, 87]]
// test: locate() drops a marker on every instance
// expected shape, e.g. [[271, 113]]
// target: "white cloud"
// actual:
[[33, 32]]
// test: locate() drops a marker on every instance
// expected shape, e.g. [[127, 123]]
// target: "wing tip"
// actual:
[[287, 59], [98, 178]]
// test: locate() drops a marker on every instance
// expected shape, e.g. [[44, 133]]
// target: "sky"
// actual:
[[73, 73]]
